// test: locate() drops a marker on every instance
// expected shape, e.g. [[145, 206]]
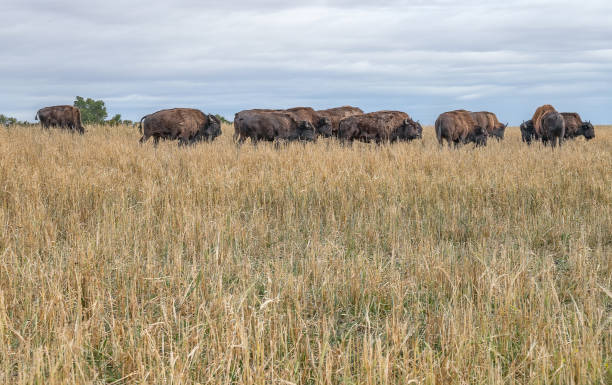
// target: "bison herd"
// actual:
[[347, 124]]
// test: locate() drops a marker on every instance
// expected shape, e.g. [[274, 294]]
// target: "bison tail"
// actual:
[[140, 124], [236, 135]]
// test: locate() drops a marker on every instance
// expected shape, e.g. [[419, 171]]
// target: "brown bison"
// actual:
[[549, 125], [185, 124], [574, 126], [322, 124], [381, 126], [459, 127], [489, 122], [68, 117], [271, 125], [335, 115]]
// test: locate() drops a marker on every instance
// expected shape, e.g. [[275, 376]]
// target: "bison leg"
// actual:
[[143, 139], [240, 141], [155, 140]]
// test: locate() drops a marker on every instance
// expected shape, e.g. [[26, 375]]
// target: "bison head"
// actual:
[[499, 131], [588, 130], [324, 127], [527, 131], [419, 129], [306, 131], [479, 136], [409, 130], [211, 129]]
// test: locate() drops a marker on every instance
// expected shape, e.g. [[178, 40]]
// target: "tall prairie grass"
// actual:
[[315, 264]]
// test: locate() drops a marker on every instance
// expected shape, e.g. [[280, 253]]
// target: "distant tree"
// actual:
[[115, 120], [222, 119], [9, 121], [92, 111], [128, 122]]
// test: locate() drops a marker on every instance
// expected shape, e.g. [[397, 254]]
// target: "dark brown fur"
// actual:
[[574, 126], [320, 123], [537, 117], [271, 125], [549, 125], [459, 127], [187, 125], [489, 122], [68, 117], [335, 115], [381, 126]]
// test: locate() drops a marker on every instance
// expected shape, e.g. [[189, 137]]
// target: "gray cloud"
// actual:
[[423, 57]]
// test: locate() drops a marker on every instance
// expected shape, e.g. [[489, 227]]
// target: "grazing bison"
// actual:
[[549, 125], [335, 115], [185, 124], [528, 132], [381, 126], [271, 125], [459, 127], [489, 122], [68, 117], [574, 126], [322, 124]]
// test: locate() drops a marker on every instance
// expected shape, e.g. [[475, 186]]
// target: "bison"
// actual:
[[185, 124], [459, 127], [335, 115], [574, 126], [381, 126], [322, 124], [528, 132], [271, 125], [489, 122], [549, 125], [68, 117]]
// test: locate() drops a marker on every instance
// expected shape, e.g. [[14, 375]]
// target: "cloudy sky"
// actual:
[[423, 57]]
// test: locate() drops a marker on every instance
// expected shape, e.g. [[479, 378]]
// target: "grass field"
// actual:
[[315, 264]]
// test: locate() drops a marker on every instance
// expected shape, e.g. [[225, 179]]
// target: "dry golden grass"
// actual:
[[122, 263]]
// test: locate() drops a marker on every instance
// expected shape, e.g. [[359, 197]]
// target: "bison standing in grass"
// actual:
[[335, 115], [271, 125], [68, 117], [459, 127], [379, 127], [549, 125], [574, 126], [186, 125], [321, 124], [489, 122], [528, 132]]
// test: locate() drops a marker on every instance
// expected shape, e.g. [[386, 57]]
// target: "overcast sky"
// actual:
[[421, 57]]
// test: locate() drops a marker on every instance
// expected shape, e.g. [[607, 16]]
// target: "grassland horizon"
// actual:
[[305, 264]]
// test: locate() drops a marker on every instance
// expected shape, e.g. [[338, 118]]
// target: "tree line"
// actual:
[[92, 112]]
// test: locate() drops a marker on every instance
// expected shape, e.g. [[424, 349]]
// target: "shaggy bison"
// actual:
[[574, 126], [489, 122], [322, 124], [271, 125], [381, 126], [459, 127], [335, 115], [185, 124], [549, 125], [528, 132], [68, 117]]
